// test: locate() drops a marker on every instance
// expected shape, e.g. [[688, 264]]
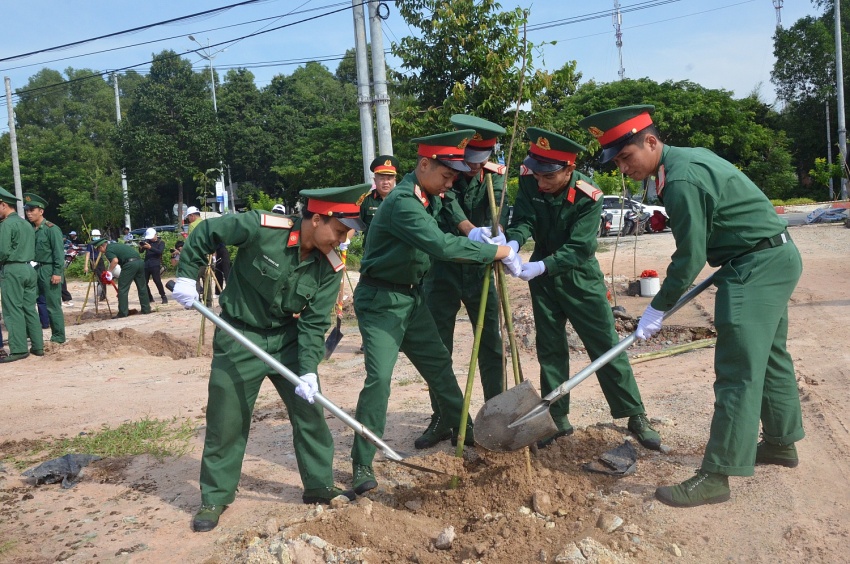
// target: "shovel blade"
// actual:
[[333, 339], [494, 429]]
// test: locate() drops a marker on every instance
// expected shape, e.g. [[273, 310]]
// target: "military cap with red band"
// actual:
[[614, 128], [549, 152], [343, 203], [384, 164], [484, 140], [447, 148], [8, 197]]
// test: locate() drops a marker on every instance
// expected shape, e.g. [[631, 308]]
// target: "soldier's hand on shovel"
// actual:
[[650, 323], [185, 292], [308, 388]]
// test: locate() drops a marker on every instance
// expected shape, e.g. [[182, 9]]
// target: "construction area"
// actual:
[[507, 507]]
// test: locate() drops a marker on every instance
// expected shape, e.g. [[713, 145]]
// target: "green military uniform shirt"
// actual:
[[563, 227], [269, 285], [369, 208], [124, 253], [49, 248], [716, 214], [17, 240], [405, 235], [468, 199]]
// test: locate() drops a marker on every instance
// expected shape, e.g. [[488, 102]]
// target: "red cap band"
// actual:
[[385, 169], [632, 125], [331, 208], [443, 152], [551, 154], [482, 143]]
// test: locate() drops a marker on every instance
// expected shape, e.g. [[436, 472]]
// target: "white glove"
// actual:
[[514, 245], [532, 270], [344, 246], [497, 240], [185, 292], [308, 388], [478, 233], [650, 323], [513, 264]]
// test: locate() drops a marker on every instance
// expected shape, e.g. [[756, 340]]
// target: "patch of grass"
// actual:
[[157, 437], [6, 546]]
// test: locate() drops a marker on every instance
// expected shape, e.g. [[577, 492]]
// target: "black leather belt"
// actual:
[[769, 243], [376, 283]]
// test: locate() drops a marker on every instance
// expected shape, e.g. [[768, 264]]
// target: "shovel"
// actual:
[[358, 427], [334, 337], [518, 417]]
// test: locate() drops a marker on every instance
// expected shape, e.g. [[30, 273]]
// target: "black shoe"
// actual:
[[435, 433], [37, 352], [14, 357], [364, 478], [549, 440], [468, 438], [164, 300], [326, 494], [206, 519]]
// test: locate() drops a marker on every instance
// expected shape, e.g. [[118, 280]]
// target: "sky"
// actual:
[[719, 44]]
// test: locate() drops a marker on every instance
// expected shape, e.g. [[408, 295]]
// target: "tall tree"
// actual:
[[170, 132]]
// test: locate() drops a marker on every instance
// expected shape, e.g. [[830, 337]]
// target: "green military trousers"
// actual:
[[19, 287], [446, 287], [392, 321], [235, 380], [53, 300], [754, 374], [131, 272], [579, 295]]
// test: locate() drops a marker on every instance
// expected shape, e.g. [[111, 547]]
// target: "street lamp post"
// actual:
[[207, 54]]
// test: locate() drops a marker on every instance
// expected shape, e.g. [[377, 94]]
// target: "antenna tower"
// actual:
[[618, 33], [778, 5]]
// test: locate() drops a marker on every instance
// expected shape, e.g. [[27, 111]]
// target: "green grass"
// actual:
[[6, 546], [156, 437]]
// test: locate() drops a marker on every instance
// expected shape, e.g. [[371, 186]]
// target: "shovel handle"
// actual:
[[608, 356], [358, 427]]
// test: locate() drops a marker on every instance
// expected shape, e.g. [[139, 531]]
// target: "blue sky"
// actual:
[[720, 44]]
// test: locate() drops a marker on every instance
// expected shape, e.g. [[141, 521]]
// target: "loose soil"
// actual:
[[524, 506]]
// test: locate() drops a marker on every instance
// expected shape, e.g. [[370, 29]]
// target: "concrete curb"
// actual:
[[808, 208]]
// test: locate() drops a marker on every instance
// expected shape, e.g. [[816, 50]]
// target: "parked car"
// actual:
[[617, 206]]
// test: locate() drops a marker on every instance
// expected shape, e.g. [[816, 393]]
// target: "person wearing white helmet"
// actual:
[[153, 248], [94, 260]]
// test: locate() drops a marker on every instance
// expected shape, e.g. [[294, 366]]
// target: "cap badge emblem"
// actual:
[[361, 198], [595, 131], [388, 163], [463, 143], [477, 137], [543, 143]]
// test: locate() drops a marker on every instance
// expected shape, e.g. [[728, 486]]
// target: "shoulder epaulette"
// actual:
[[49, 224], [276, 221], [417, 191], [525, 171], [495, 167], [589, 189], [336, 262]]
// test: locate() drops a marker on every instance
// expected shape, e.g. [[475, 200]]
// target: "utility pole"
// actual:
[[364, 99], [829, 148], [379, 75], [618, 33], [221, 194], [839, 80], [13, 141], [123, 170], [778, 5]]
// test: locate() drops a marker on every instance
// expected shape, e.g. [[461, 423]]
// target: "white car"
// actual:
[[617, 206]]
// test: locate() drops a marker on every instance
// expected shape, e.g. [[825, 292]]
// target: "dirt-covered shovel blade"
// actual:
[[493, 429], [333, 339], [518, 417]]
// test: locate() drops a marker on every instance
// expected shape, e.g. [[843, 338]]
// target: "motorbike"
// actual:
[[635, 223], [605, 223]]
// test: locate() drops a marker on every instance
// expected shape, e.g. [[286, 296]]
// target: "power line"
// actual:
[[126, 31]]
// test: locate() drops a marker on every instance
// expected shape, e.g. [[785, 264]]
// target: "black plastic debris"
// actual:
[[64, 469], [619, 461]]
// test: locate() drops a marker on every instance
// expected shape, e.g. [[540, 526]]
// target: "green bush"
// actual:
[[793, 202]]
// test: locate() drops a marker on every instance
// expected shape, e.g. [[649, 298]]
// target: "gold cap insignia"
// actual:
[[543, 143], [595, 131], [361, 198], [388, 163], [477, 137], [27, 199], [463, 143]]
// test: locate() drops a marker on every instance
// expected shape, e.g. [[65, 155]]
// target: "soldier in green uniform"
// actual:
[[385, 169], [18, 281], [560, 208], [719, 215], [466, 211], [132, 270], [390, 307], [282, 286], [50, 264]]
